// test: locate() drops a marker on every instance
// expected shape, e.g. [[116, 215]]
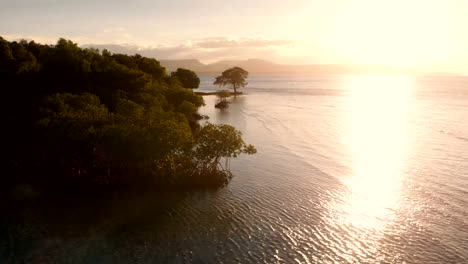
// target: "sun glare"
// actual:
[[377, 141], [395, 33]]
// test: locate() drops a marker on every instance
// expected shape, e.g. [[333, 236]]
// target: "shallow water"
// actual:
[[349, 169]]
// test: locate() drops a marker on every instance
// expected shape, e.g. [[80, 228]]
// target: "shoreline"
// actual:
[[214, 93]]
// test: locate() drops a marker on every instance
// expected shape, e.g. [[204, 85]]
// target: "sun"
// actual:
[[397, 33]]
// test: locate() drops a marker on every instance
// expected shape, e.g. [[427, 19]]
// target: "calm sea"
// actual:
[[350, 169]]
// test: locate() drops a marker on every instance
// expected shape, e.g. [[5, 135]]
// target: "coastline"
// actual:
[[214, 93]]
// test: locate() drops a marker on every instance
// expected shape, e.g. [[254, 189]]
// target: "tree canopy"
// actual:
[[188, 78], [82, 116], [234, 77]]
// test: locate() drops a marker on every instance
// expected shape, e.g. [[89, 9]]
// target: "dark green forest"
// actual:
[[85, 118]]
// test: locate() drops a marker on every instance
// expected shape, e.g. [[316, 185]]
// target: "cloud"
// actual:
[[44, 39], [207, 49], [192, 52], [114, 35], [114, 30], [214, 43]]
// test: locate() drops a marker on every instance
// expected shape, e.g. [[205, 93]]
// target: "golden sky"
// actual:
[[421, 33]]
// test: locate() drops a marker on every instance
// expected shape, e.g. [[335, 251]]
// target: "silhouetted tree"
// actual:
[[235, 77], [218, 142]]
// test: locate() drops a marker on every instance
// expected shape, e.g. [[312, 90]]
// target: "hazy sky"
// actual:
[[396, 32]]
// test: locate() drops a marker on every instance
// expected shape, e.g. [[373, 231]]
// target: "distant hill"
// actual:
[[172, 65], [263, 66], [251, 65]]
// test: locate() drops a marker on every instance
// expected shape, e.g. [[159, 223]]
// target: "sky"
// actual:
[[410, 33]]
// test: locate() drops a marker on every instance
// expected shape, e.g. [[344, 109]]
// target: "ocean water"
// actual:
[[349, 169]]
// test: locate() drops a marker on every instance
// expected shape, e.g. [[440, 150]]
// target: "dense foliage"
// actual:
[[188, 78], [81, 116], [234, 77]]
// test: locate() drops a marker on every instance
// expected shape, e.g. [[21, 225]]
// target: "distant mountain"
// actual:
[[263, 66], [251, 65], [172, 65]]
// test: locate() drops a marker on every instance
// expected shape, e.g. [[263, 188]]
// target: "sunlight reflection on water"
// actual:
[[377, 140]]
